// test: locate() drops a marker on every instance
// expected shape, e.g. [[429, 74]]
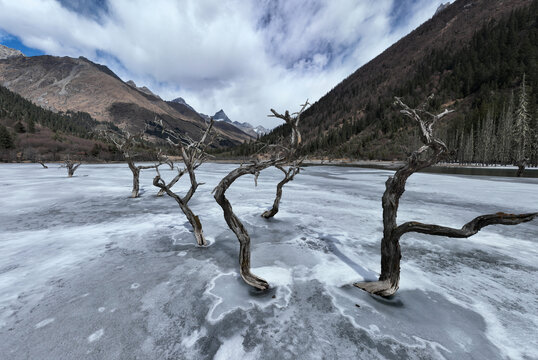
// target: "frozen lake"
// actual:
[[88, 273]]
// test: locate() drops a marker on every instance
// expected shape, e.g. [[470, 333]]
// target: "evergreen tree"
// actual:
[[31, 125], [19, 127], [506, 132], [6, 140], [522, 130], [469, 147]]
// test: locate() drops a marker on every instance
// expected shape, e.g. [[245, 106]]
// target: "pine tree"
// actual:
[[19, 127], [6, 140], [522, 130], [31, 125], [469, 147], [488, 132], [507, 132]]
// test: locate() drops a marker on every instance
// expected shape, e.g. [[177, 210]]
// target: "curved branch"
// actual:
[[467, 230], [193, 219], [394, 188], [235, 224], [288, 176]]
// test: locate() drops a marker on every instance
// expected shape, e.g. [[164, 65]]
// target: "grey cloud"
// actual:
[[243, 56]]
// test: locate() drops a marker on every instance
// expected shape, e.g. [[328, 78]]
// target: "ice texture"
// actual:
[[88, 273]]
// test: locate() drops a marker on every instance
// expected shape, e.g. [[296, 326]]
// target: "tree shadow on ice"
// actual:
[[331, 242]]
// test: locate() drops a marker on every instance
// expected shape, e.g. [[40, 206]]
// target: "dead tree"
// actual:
[[429, 154], [71, 166], [126, 143], [295, 164], [521, 165], [277, 155], [42, 164], [194, 155], [180, 173]]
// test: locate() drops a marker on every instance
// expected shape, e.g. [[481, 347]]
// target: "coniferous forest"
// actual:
[[492, 83]]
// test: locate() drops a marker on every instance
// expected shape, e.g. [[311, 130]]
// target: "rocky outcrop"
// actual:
[[6, 52]]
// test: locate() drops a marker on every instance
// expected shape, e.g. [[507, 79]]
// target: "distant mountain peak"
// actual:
[[180, 100], [6, 52], [442, 7], [244, 126], [143, 89], [221, 116]]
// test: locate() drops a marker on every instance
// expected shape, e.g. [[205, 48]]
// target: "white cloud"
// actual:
[[245, 56]]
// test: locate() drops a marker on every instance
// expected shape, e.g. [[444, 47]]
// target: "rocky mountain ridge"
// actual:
[[6, 52], [70, 84]]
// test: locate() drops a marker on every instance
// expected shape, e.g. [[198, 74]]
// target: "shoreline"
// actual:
[[441, 168]]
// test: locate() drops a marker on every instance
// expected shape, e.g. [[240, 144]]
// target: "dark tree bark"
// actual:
[[295, 164], [280, 156], [71, 166], [289, 174], [172, 182], [193, 155], [235, 224], [42, 164], [521, 167], [125, 143], [135, 169], [429, 154]]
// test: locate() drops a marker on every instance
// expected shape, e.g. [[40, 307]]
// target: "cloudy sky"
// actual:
[[244, 56]]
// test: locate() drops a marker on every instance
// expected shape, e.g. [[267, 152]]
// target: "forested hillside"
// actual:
[[489, 79], [29, 132]]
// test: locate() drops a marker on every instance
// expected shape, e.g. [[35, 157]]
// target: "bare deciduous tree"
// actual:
[[289, 174], [125, 142], [194, 155], [279, 156], [71, 166], [294, 164], [427, 155], [180, 173], [233, 221]]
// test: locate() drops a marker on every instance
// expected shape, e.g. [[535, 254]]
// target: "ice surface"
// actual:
[[88, 273]]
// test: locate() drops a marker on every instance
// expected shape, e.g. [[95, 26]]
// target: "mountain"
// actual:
[[472, 55], [79, 85], [245, 126], [181, 106], [251, 130], [441, 7], [29, 132], [6, 52], [221, 116], [143, 89]]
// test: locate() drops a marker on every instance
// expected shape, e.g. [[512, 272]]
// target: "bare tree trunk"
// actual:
[[288, 176], [193, 219], [521, 167], [71, 167], [236, 225], [136, 177], [170, 184], [193, 156], [394, 188]]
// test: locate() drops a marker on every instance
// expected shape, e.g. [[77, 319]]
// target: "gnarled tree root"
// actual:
[[382, 288]]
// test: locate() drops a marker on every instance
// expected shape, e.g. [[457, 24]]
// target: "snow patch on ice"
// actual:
[[196, 335], [96, 335], [44, 323], [230, 292], [232, 348]]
